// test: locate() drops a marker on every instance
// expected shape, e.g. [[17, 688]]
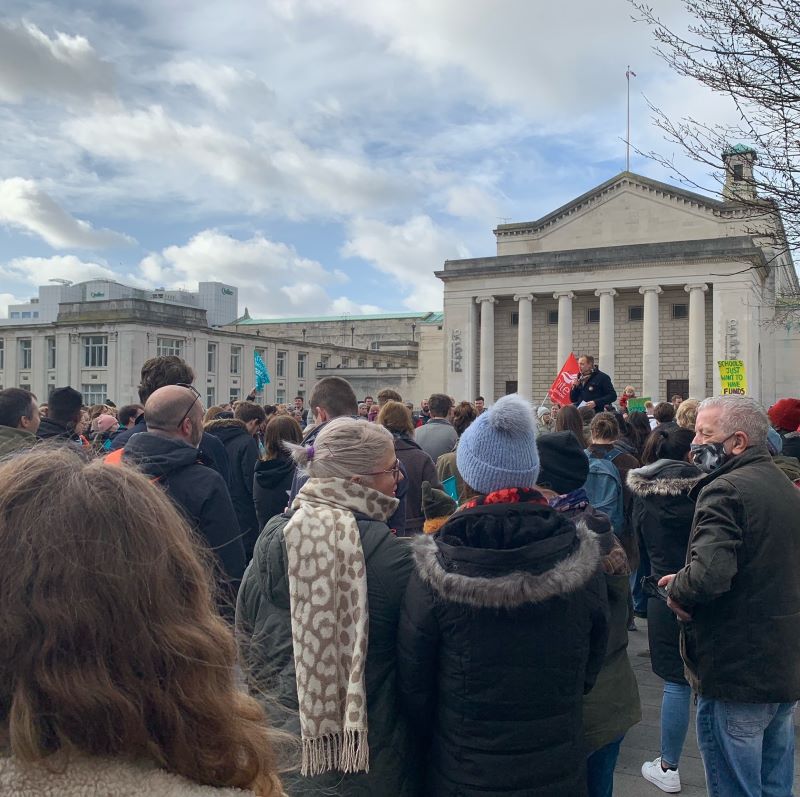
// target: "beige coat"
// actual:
[[101, 777]]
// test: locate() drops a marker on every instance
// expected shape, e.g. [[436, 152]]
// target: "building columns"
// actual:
[[651, 344], [525, 345], [697, 339], [564, 326], [486, 389], [607, 341]]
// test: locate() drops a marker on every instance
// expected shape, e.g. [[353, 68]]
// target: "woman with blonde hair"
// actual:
[[418, 465], [318, 612], [116, 672]]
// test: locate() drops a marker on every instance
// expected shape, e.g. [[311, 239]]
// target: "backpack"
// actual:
[[604, 488]]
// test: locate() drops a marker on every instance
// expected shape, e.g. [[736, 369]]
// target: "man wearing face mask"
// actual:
[[739, 599], [168, 453]]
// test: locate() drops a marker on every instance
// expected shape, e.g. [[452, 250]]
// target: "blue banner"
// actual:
[[262, 374]]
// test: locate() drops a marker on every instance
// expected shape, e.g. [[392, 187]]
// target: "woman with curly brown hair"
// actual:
[[116, 672]]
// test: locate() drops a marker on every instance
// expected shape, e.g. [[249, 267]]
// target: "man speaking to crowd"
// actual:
[[592, 387]]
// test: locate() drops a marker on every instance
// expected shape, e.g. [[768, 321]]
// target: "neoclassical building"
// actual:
[[657, 282]]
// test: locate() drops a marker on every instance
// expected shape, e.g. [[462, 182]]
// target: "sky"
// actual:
[[325, 156]]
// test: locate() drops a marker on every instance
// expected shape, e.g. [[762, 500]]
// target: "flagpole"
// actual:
[[628, 133]]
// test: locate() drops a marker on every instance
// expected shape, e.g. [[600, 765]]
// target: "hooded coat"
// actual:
[[419, 468], [242, 451], [201, 495], [504, 629], [110, 777], [51, 429], [662, 519], [272, 483], [13, 440], [264, 632]]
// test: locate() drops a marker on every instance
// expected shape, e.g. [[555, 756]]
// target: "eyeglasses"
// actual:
[[194, 401], [394, 470]]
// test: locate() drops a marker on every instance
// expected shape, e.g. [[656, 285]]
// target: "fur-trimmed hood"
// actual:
[[664, 477], [470, 563], [223, 423]]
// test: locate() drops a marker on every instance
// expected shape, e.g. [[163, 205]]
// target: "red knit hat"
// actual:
[[785, 414]]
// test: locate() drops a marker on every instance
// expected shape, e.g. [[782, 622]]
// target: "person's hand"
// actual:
[[680, 612], [590, 404]]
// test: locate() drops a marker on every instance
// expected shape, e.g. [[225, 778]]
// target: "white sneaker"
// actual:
[[668, 781]]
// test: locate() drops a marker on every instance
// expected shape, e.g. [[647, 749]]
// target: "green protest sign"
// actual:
[[637, 404]]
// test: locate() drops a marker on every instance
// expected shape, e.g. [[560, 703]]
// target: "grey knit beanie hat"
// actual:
[[498, 449]]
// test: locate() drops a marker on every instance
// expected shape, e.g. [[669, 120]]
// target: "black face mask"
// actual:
[[711, 456]]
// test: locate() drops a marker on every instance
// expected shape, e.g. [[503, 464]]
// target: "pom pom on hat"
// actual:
[[498, 449], [437, 507], [785, 414]]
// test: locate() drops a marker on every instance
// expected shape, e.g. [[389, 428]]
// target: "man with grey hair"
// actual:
[[168, 453], [739, 599]]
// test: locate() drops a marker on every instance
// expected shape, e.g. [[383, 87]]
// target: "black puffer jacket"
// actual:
[[662, 519], [242, 450], [271, 485], [504, 629], [265, 634], [201, 495]]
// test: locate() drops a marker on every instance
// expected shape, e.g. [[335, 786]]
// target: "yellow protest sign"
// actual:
[[732, 377]]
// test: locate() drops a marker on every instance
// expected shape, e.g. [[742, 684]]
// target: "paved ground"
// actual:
[[642, 741]]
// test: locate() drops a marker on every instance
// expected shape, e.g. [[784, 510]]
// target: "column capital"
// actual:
[[529, 297], [563, 295], [650, 288], [696, 286], [604, 291], [490, 299]]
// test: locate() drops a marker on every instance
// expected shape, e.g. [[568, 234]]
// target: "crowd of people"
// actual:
[[363, 597]]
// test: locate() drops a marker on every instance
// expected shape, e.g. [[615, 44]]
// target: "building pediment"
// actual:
[[626, 210]]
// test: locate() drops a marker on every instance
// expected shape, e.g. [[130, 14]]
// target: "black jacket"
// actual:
[[504, 629], [740, 584], [264, 632], [211, 449], [596, 388], [271, 485], [242, 452], [419, 468], [201, 494], [50, 429], [662, 519]]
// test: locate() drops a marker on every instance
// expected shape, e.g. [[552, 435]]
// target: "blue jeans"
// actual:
[[747, 748], [600, 769], [674, 721], [639, 598]]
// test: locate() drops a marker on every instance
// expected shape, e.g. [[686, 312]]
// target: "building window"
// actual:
[[280, 365], [212, 359], [26, 313], [169, 347], [593, 315], [235, 394], [680, 311], [280, 396], [301, 394], [51, 353], [236, 359], [738, 173], [362, 362], [552, 317], [376, 363], [515, 319], [25, 355], [94, 393], [211, 396], [325, 360], [636, 313], [301, 366], [35, 313], [95, 352], [14, 314], [346, 362], [2, 354]]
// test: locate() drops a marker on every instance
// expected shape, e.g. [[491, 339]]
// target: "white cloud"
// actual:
[[31, 62], [38, 270], [273, 279], [409, 253], [222, 83], [5, 300], [26, 206]]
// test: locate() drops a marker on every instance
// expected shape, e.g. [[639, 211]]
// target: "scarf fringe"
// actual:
[[346, 752]]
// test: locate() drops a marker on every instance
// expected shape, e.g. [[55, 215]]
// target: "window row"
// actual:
[[635, 313]]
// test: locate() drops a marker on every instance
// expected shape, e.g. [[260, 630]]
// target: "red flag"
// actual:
[[559, 390]]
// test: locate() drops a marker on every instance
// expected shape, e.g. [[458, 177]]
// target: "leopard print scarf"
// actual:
[[329, 614]]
